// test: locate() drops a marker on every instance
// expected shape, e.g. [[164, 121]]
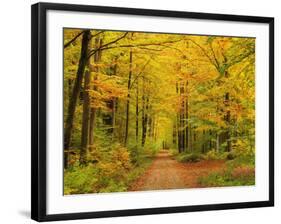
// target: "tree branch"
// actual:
[[131, 46], [150, 49], [137, 76], [73, 39], [204, 52], [97, 34], [240, 58], [92, 52], [214, 55]]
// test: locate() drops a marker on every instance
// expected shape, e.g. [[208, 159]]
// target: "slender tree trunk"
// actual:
[[92, 126], [75, 94], [218, 143], [114, 104], [85, 119], [174, 134], [186, 117], [178, 122], [97, 59], [114, 117], [128, 99], [151, 125], [190, 138], [203, 144], [149, 120], [179, 132], [210, 141], [144, 112], [227, 119], [145, 119], [182, 117], [137, 112], [154, 128]]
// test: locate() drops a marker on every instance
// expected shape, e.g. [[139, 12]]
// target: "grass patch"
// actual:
[[240, 172], [228, 178]]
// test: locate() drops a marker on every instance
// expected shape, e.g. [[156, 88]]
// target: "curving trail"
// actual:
[[167, 173]]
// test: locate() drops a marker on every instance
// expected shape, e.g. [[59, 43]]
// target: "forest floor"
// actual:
[[167, 173]]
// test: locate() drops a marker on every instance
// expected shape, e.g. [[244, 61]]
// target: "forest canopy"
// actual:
[[128, 95]]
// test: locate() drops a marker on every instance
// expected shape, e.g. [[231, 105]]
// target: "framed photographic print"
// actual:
[[139, 111]]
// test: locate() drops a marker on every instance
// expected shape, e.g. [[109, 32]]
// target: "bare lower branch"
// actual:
[[73, 39]]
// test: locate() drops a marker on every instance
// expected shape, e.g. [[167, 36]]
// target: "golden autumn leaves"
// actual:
[[195, 93]]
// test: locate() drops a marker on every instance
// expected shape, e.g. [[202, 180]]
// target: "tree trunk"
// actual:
[[114, 104], [174, 134], [97, 59], [179, 132], [114, 110], [182, 118], [69, 90], [152, 126], [144, 116], [128, 98], [203, 147], [226, 134], [210, 140], [137, 112], [190, 138], [227, 119], [178, 123], [149, 121], [155, 124], [92, 126], [85, 119], [218, 143], [186, 118], [75, 94], [145, 119]]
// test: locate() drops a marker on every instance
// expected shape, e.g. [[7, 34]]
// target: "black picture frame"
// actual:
[[39, 121]]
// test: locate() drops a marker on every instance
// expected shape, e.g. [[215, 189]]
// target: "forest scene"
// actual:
[[156, 111]]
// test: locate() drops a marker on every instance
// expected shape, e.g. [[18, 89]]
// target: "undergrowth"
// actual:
[[239, 171], [113, 170]]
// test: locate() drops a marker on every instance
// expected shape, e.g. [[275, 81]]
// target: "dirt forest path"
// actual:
[[167, 173]]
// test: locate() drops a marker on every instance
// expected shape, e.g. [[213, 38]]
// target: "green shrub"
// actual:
[[211, 155], [189, 157], [115, 167], [242, 160], [136, 154], [230, 156], [103, 173], [80, 180], [114, 186], [214, 155], [173, 152], [151, 148], [110, 170]]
